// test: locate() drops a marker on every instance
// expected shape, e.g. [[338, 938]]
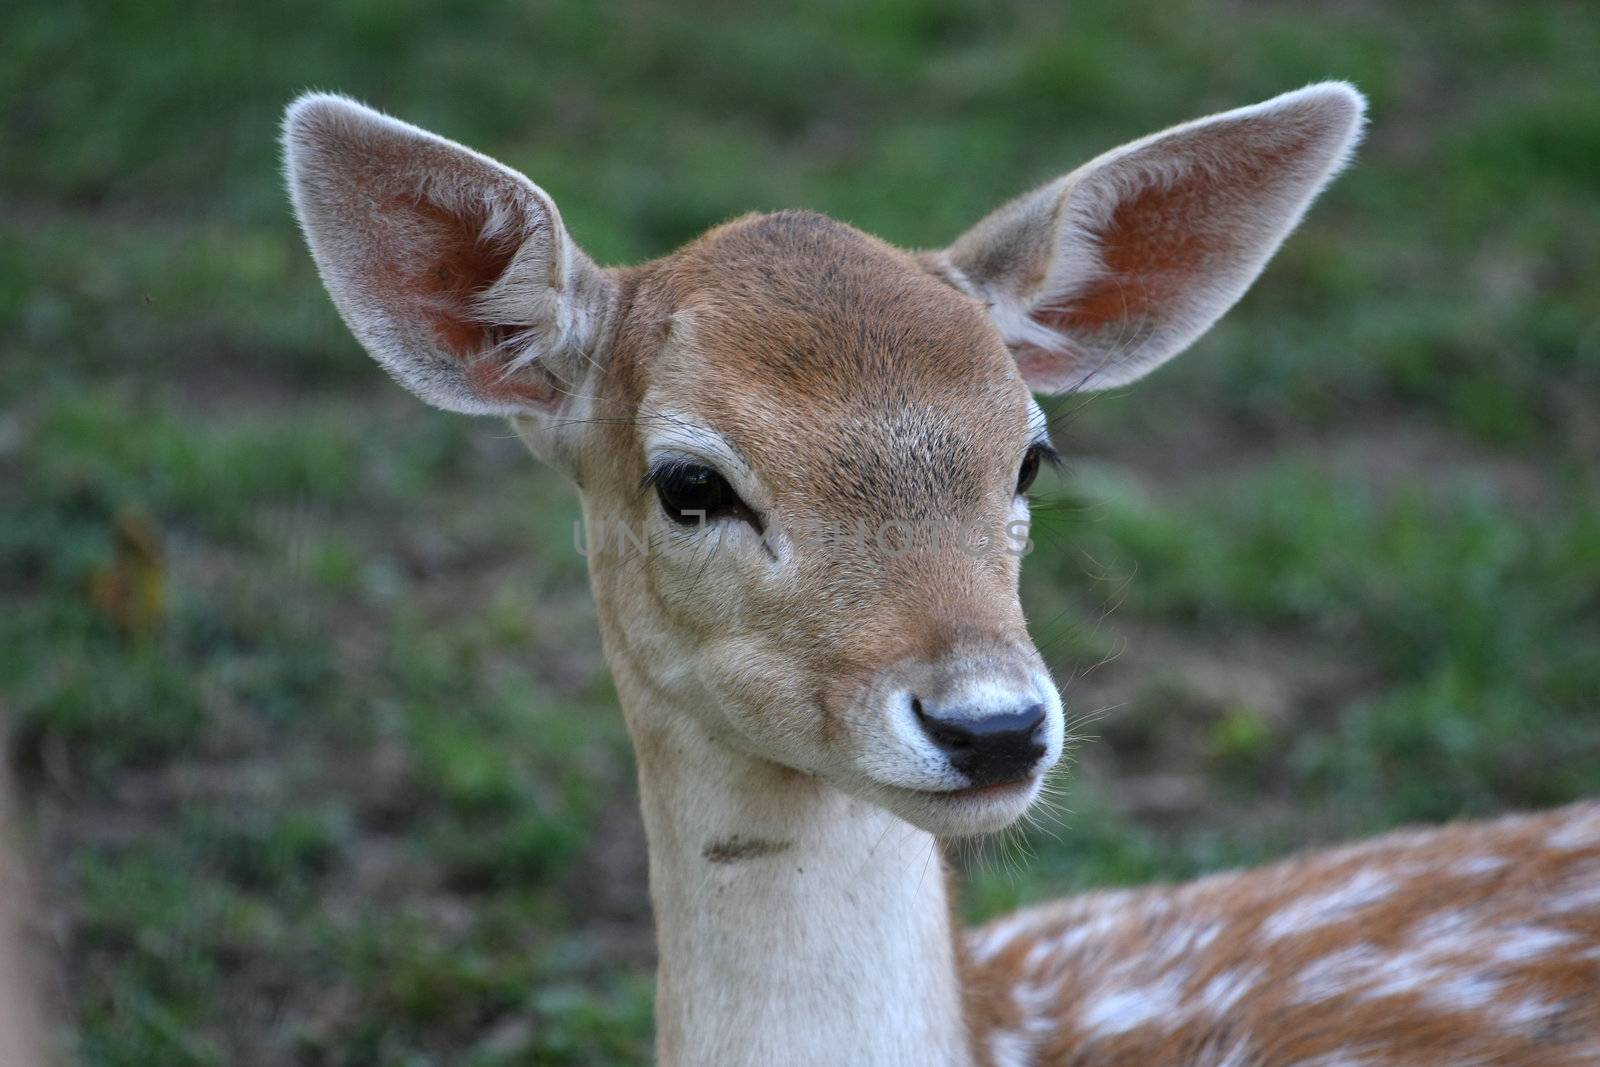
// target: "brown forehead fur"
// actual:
[[833, 361]]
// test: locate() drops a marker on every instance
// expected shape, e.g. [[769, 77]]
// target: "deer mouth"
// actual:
[[992, 789], [965, 811]]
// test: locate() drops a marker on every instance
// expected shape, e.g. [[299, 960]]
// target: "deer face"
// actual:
[[803, 453], [827, 450]]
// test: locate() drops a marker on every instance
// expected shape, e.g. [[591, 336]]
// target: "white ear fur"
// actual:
[[1104, 274], [453, 271]]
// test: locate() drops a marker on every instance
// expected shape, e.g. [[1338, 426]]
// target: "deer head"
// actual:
[[803, 453]]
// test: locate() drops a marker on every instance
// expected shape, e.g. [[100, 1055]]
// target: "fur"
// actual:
[[771, 685]]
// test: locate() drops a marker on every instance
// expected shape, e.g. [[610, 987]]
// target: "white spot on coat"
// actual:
[[1117, 1011], [1362, 889], [1581, 833], [1010, 1049]]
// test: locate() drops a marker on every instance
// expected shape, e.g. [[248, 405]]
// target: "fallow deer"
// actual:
[[813, 710]]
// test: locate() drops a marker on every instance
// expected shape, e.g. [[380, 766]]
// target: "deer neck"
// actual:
[[795, 925]]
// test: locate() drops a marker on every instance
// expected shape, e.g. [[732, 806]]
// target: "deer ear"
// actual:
[[1104, 274], [453, 271]]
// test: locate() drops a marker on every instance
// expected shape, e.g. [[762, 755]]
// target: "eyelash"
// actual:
[[675, 479], [1037, 453]]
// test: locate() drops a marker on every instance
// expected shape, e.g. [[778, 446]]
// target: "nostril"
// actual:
[[1035, 718], [951, 735]]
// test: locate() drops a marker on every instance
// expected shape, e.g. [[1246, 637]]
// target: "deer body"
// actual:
[[1477, 943], [823, 444]]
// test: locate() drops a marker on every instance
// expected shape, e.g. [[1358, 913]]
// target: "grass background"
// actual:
[[318, 756]]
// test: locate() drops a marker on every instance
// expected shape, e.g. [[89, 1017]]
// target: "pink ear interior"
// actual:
[[463, 264], [457, 256], [1159, 240]]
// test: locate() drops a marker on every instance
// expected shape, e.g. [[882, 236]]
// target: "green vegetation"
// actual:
[[302, 679]]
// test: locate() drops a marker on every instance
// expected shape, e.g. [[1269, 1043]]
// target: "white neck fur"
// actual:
[[796, 925]]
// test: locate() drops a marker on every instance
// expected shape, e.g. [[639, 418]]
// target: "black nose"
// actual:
[[987, 749]]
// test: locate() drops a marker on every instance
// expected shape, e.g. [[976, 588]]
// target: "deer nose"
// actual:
[[987, 748]]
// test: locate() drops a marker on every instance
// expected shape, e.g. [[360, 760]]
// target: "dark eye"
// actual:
[[1030, 468], [691, 493]]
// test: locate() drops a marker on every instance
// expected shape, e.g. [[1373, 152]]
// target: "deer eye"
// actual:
[[1030, 467], [692, 493]]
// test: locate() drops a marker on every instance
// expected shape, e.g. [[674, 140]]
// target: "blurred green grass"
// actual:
[[303, 679]]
